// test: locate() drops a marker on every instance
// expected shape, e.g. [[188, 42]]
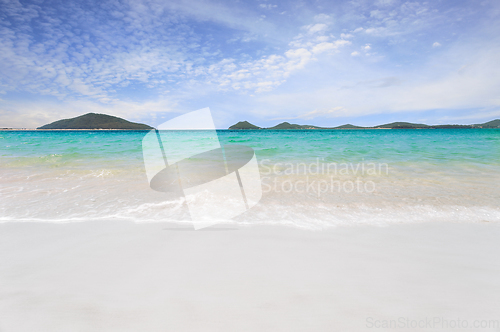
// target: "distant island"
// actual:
[[96, 121], [92, 121], [245, 125]]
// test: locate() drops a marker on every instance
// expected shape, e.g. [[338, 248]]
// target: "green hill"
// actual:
[[348, 126], [490, 124], [393, 125], [455, 126], [96, 121], [243, 125], [403, 125], [286, 125]]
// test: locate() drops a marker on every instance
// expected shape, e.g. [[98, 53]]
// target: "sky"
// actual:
[[324, 62]]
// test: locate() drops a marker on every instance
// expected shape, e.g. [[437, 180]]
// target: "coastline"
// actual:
[[261, 129], [35, 129]]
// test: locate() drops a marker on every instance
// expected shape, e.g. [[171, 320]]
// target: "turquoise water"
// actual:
[[475, 146], [434, 146], [431, 174]]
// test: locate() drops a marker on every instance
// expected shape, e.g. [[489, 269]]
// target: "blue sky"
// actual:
[[319, 62]]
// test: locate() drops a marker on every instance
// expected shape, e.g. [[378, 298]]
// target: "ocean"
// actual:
[[311, 179]]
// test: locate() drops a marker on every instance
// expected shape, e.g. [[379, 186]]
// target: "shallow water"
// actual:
[[312, 179]]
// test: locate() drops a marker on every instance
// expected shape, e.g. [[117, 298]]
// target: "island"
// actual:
[[91, 121], [245, 125]]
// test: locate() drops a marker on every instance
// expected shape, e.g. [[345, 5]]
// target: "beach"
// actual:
[[355, 230], [123, 276]]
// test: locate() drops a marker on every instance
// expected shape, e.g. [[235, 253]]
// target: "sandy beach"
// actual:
[[122, 276]]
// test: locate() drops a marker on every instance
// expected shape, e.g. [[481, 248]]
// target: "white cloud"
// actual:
[[317, 113], [117, 54], [375, 31], [267, 73], [90, 63], [385, 3], [226, 14], [260, 75], [322, 18], [319, 48], [377, 14], [267, 6], [321, 39], [315, 28], [452, 88], [328, 112], [396, 21]]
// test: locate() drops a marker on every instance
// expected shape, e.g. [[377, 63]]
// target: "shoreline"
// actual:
[[34, 129], [244, 130]]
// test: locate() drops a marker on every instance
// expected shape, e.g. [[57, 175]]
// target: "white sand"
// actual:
[[119, 276]]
